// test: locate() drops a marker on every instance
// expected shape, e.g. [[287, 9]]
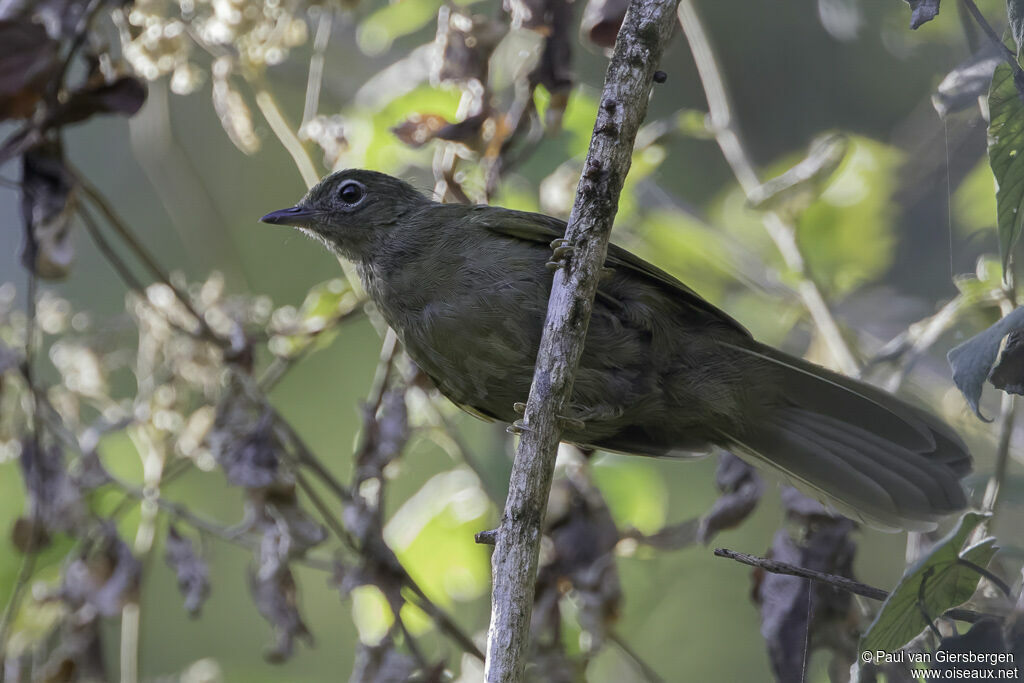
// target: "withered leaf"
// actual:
[[922, 11], [797, 615], [582, 556], [419, 129], [244, 443], [968, 81], [741, 488], [276, 598], [985, 635], [382, 663], [104, 580], [54, 499], [384, 436], [287, 531], [28, 58], [531, 14], [602, 20], [466, 131], [464, 43], [191, 570], [1008, 372], [235, 115], [46, 197], [9, 358], [124, 96], [554, 69]]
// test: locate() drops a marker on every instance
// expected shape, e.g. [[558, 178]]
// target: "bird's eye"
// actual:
[[351, 192]]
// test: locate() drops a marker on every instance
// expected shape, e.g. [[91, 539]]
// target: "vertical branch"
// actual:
[[780, 231], [275, 119], [316, 64], [1006, 420], [646, 30]]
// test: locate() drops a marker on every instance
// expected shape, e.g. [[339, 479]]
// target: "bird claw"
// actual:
[[566, 422], [517, 427], [561, 250], [519, 407]]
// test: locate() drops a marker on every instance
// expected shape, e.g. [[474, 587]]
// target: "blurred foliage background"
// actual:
[[889, 237]]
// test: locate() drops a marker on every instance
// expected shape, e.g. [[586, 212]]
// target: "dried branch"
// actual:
[[781, 232], [28, 560], [267, 105], [645, 32], [1006, 421], [840, 582], [316, 64]]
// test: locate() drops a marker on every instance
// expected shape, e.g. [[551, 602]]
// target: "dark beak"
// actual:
[[297, 216]]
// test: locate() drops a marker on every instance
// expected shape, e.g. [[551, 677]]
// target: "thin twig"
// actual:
[[143, 254], [28, 560], [112, 257], [80, 33], [279, 367], [279, 125], [840, 582], [1007, 53], [316, 63], [646, 30], [995, 483], [776, 567], [912, 343], [782, 233], [645, 669]]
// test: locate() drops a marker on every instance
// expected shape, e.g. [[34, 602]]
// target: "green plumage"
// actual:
[[663, 371]]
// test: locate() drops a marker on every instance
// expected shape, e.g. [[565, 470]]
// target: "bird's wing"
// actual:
[[535, 227]]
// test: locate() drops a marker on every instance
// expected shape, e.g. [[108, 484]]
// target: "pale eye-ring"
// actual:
[[351, 192]]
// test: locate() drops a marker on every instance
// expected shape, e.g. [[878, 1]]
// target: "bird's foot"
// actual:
[[561, 250], [574, 423], [517, 427], [519, 407]]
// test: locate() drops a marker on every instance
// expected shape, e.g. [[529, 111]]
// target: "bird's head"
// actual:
[[351, 211]]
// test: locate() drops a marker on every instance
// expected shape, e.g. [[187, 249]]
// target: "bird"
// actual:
[[663, 372]]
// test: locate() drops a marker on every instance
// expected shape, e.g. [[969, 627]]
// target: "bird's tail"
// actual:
[[869, 455]]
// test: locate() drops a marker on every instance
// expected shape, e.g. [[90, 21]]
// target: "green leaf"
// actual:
[[371, 613], [985, 285], [972, 361], [635, 493], [1015, 15], [936, 583], [325, 303], [974, 202], [432, 535], [1005, 145], [379, 30]]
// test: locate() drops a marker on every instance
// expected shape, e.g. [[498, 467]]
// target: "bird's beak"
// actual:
[[298, 216]]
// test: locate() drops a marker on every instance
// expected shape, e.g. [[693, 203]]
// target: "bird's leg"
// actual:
[[573, 423], [565, 422], [517, 427], [561, 250], [599, 413]]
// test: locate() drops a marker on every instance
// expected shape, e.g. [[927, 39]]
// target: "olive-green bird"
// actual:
[[663, 371]]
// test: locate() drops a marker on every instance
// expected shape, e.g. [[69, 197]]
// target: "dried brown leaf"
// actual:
[[191, 570], [28, 59], [46, 199]]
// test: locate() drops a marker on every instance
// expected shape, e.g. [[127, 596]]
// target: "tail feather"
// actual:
[[868, 454]]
